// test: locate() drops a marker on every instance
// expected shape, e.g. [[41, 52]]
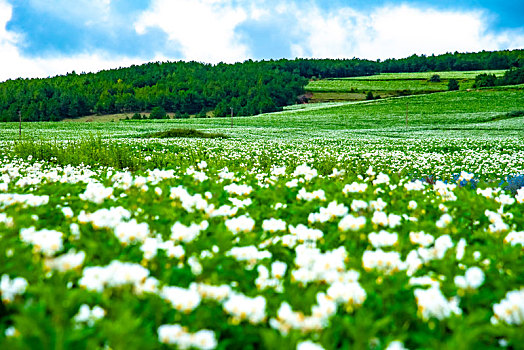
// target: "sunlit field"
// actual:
[[385, 224]]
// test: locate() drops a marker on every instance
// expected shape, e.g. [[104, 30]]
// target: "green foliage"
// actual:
[[369, 96], [90, 151], [478, 131], [185, 133], [453, 85], [187, 88], [513, 76], [435, 78], [158, 113], [485, 80]]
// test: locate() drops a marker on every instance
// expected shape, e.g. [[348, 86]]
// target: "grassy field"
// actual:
[[426, 75], [332, 225], [388, 85]]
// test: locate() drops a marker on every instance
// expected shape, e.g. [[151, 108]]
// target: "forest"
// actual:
[[198, 89]]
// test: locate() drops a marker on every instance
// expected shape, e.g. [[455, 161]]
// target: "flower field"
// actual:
[[319, 238]]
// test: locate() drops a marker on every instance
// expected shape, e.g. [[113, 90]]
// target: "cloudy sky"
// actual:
[[40, 38]]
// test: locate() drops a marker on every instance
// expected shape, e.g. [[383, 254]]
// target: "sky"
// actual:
[[41, 38]]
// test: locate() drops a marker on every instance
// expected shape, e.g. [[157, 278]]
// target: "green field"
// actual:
[[334, 223], [389, 84]]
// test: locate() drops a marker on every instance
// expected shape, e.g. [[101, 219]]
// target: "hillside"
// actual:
[[192, 88]]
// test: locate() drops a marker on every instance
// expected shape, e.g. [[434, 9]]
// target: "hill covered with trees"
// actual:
[[192, 88]]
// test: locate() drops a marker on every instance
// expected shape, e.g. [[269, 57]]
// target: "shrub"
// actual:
[[435, 78], [158, 113], [453, 85], [485, 80], [184, 133]]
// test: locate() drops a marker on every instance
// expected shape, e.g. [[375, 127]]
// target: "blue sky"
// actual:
[[39, 38]]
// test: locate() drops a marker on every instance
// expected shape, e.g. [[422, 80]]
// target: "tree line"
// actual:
[[193, 88]]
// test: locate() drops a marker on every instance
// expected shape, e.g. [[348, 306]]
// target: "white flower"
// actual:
[[396, 345], [421, 238], [387, 262], [194, 264], [473, 278], [177, 335], [355, 187], [461, 249], [510, 309], [358, 205], [184, 300], [180, 232], [240, 190], [273, 225], [309, 345], [240, 224], [416, 185], [10, 288], [309, 196], [90, 316], [69, 261], [515, 238], [378, 205], [349, 222], [380, 218], [96, 278], [96, 192], [249, 254], [44, 241], [304, 233], [306, 171], [520, 196], [129, 232], [350, 293], [431, 303], [278, 269], [68, 212], [246, 308], [382, 239], [381, 179], [444, 221]]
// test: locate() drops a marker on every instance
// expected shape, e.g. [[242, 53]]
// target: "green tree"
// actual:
[[453, 85], [485, 80], [435, 78], [158, 113]]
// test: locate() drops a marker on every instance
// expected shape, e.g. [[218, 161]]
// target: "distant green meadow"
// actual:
[[389, 84], [386, 224]]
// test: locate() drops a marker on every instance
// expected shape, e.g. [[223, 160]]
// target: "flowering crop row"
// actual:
[[283, 255]]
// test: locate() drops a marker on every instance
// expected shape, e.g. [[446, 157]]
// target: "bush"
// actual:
[[184, 133], [513, 76], [435, 78], [485, 80], [158, 113], [370, 96], [136, 116], [453, 85]]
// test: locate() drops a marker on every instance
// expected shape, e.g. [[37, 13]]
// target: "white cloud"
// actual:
[[16, 65], [202, 30], [396, 31], [207, 30]]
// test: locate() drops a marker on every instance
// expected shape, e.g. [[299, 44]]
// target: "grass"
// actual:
[[389, 85], [477, 113], [396, 85], [90, 150], [427, 75]]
